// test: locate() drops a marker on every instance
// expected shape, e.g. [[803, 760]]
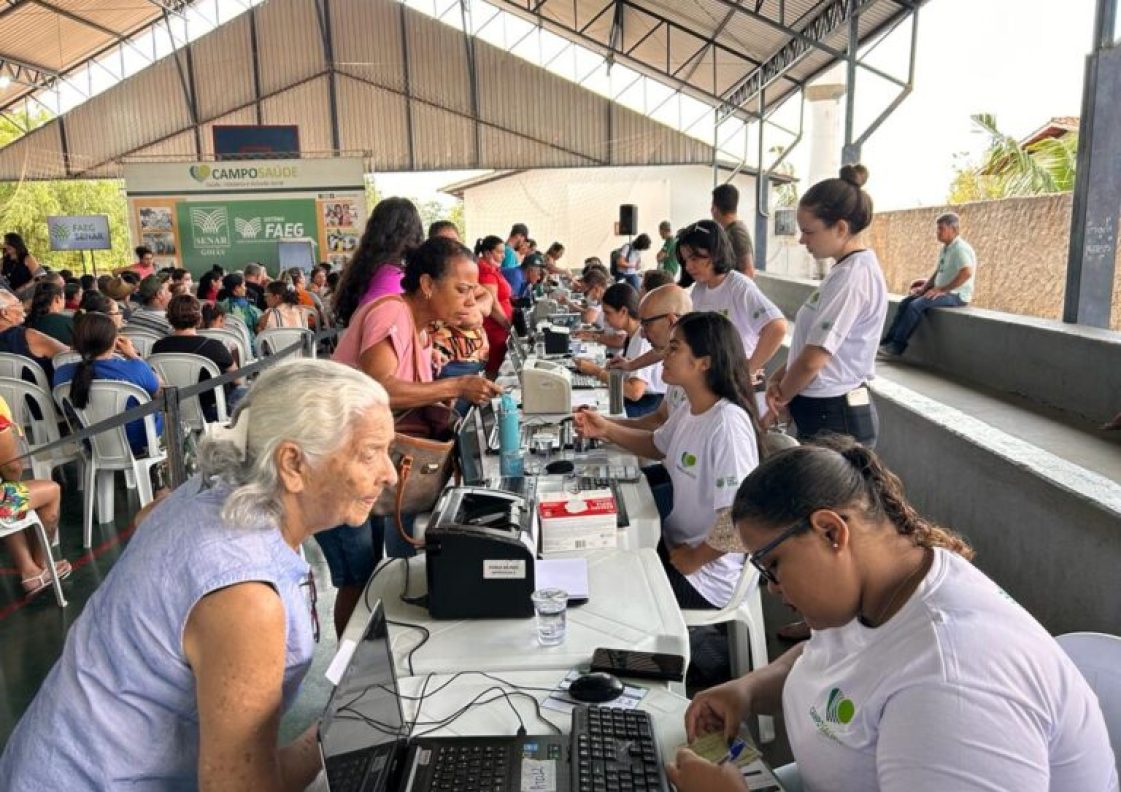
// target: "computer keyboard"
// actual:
[[347, 773], [471, 768], [586, 382], [615, 749]]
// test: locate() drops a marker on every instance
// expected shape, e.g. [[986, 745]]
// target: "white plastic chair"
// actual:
[[234, 340], [9, 527], [1098, 657], [110, 451], [19, 395], [62, 358], [182, 369], [275, 339], [143, 340], [15, 366], [238, 325], [747, 640]]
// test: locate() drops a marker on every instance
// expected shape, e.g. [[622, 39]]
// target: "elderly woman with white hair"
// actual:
[[179, 669]]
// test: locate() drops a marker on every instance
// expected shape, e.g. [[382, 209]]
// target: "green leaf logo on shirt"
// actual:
[[688, 460], [839, 709], [815, 298]]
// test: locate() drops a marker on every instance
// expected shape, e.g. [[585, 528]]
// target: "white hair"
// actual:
[[311, 403]]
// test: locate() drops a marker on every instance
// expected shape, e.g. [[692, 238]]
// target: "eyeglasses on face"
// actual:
[[651, 319], [758, 559]]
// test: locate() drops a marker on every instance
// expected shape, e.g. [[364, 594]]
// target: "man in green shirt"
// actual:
[[950, 286], [667, 256]]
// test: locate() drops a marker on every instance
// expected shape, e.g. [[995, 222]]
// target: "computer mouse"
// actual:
[[560, 467], [596, 687]]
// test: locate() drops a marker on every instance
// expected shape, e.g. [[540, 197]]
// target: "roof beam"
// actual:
[[26, 73], [81, 20]]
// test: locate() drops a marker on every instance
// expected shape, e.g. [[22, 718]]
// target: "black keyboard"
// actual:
[[471, 768], [347, 773], [615, 749], [622, 519]]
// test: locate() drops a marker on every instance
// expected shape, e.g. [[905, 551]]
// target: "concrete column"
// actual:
[[825, 141]]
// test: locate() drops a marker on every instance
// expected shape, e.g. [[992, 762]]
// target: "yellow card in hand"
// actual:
[[714, 747]]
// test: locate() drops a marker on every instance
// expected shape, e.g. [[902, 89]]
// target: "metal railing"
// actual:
[[168, 402]]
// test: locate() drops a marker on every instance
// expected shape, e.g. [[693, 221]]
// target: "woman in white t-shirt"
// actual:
[[837, 330], [707, 449], [642, 389], [921, 674], [705, 252]]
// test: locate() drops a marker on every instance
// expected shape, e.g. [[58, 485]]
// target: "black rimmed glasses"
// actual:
[[644, 323], [758, 558]]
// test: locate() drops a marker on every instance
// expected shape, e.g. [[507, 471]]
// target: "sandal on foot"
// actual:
[[62, 568], [37, 583]]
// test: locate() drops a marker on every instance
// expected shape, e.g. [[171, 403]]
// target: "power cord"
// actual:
[[424, 639]]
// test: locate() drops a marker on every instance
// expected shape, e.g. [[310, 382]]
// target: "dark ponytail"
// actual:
[[710, 334], [285, 291], [841, 199], [835, 472], [486, 244], [94, 335]]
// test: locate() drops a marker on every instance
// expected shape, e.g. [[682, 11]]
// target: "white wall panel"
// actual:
[[306, 105], [368, 44], [289, 44], [223, 65], [373, 119]]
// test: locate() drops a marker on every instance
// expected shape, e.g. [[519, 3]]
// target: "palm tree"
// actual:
[[1009, 170]]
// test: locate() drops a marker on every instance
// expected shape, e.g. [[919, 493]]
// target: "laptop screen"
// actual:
[[368, 685], [470, 444]]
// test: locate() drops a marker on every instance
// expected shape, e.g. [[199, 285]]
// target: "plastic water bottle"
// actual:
[[510, 461]]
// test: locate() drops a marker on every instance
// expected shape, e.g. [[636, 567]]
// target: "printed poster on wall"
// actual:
[[195, 215]]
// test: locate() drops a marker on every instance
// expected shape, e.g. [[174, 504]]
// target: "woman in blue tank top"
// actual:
[[183, 661]]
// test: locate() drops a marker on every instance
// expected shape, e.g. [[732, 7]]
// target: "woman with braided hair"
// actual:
[[920, 673]]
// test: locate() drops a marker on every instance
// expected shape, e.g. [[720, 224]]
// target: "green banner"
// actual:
[[234, 233]]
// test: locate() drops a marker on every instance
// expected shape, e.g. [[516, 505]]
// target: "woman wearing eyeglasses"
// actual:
[[705, 251], [708, 448], [921, 673], [824, 383], [180, 667]]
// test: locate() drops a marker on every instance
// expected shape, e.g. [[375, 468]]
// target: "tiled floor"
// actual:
[[32, 632]]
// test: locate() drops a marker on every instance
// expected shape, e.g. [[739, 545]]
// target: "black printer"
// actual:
[[480, 551]]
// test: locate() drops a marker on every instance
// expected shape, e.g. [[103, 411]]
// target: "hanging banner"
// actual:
[[79, 232], [196, 215]]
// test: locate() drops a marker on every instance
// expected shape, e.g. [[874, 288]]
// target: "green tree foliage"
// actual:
[[1009, 170], [25, 206]]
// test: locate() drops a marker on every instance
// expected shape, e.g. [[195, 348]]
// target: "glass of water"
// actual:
[[551, 606]]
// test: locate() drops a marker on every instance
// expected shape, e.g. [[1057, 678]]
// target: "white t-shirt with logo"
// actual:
[[637, 346], [961, 690], [739, 299], [675, 397], [707, 456], [845, 315]]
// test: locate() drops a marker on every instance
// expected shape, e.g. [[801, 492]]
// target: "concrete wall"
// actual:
[[578, 206], [1075, 369], [1021, 246]]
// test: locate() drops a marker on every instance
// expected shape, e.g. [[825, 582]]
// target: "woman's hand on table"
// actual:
[[718, 709], [590, 424]]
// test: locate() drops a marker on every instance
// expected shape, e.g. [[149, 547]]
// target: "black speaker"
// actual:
[[628, 220]]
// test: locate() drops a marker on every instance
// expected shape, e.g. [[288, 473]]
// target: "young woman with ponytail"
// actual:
[[837, 330], [46, 316], [707, 449], [921, 674]]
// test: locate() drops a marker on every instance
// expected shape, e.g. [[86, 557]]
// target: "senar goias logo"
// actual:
[[839, 709]]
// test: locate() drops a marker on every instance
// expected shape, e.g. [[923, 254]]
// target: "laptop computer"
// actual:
[[364, 742], [472, 442]]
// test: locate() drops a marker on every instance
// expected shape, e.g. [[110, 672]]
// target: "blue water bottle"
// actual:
[[510, 461]]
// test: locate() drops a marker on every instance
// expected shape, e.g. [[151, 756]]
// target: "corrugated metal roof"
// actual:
[[403, 93]]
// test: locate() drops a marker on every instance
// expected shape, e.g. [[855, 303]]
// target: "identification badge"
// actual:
[[859, 397]]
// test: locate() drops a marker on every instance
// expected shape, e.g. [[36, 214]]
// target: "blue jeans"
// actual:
[[633, 279], [647, 403], [910, 312], [461, 368]]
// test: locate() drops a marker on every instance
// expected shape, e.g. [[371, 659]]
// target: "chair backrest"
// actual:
[[238, 325], [749, 578], [134, 331], [142, 342], [15, 366], [275, 339], [62, 358], [109, 398], [19, 394], [182, 369], [1098, 657], [231, 338]]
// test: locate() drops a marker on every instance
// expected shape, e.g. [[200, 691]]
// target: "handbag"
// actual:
[[423, 453]]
